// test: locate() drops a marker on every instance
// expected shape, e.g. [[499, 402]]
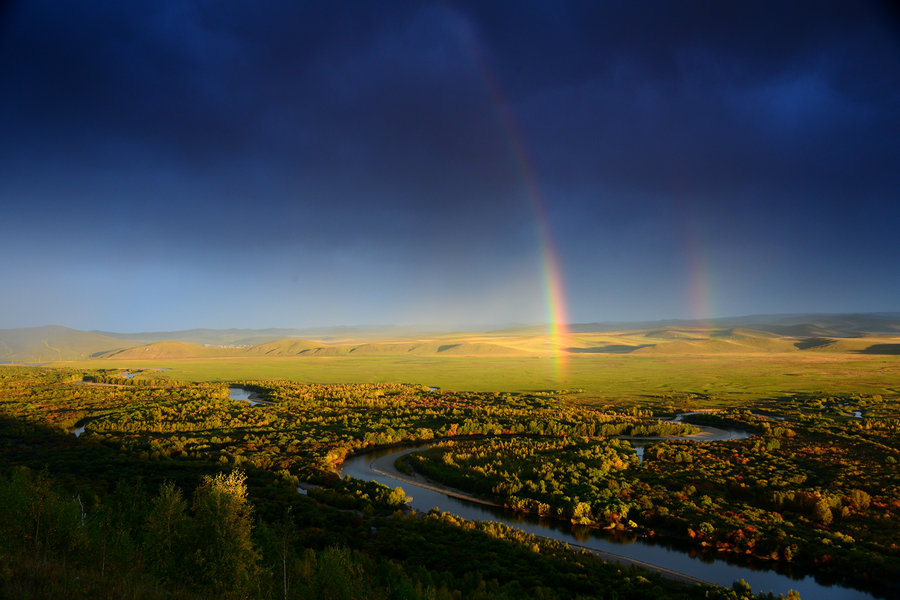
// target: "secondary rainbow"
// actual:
[[700, 281]]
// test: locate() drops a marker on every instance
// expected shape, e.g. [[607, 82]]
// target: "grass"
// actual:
[[712, 366], [726, 378]]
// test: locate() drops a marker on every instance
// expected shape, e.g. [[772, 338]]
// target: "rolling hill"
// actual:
[[792, 325], [451, 347], [287, 347], [852, 334], [54, 342], [169, 349]]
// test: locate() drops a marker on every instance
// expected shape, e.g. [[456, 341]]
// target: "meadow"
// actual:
[[714, 380], [725, 364]]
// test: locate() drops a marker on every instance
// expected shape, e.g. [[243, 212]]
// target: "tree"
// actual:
[[822, 512], [742, 587], [165, 530], [859, 499], [338, 575], [398, 497], [279, 539], [224, 556]]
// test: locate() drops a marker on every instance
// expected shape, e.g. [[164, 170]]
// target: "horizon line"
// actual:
[[483, 328]]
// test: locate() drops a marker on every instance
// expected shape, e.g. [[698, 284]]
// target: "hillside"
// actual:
[[792, 325], [851, 334], [211, 337], [449, 347], [169, 349], [283, 348], [54, 342], [255, 337]]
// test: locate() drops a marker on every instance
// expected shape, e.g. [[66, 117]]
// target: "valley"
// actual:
[[573, 447]]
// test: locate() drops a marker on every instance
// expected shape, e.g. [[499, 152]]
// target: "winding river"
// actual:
[[675, 564]]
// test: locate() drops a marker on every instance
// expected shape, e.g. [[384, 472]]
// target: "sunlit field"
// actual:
[[722, 380]]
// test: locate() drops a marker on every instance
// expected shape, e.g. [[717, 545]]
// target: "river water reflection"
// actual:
[[240, 394], [375, 466]]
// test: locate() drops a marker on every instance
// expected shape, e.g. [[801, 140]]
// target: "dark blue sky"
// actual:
[[183, 164]]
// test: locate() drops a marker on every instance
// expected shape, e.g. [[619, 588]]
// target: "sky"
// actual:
[[176, 164]]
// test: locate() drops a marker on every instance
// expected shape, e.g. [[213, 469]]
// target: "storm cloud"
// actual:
[[277, 163]]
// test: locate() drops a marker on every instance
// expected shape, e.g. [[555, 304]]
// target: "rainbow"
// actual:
[[554, 288], [700, 274]]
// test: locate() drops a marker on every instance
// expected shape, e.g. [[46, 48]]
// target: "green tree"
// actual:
[[164, 532], [224, 556], [278, 540], [338, 575], [742, 587]]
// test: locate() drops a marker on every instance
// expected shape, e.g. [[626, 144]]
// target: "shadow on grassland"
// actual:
[[813, 342], [882, 349], [610, 349]]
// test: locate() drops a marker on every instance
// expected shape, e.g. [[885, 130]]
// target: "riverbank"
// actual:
[[385, 465], [240, 394], [674, 564]]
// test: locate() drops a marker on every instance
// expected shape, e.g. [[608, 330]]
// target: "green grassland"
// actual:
[[724, 379], [699, 365]]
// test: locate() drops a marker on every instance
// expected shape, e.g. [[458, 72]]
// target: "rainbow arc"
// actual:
[[552, 276]]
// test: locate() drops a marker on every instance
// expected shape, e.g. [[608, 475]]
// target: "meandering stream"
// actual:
[[676, 564]]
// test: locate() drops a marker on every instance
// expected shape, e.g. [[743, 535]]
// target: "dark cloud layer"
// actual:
[[386, 143]]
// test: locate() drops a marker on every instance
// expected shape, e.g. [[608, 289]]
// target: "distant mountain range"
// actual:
[[871, 333], [54, 342], [252, 337], [796, 325]]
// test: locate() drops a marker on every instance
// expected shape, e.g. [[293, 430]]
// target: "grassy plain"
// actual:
[[714, 366], [724, 379]]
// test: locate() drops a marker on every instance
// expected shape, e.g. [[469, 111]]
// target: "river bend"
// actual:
[[673, 563]]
